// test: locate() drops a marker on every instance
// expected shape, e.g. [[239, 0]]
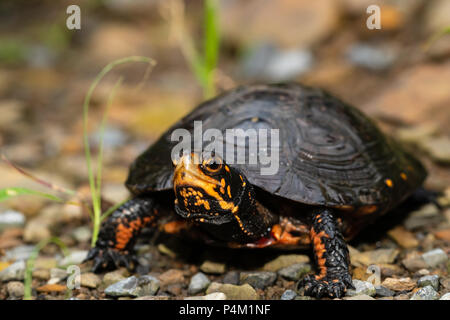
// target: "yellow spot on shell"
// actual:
[[403, 176], [389, 183]]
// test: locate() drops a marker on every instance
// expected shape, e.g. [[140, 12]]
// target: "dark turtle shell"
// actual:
[[330, 153]]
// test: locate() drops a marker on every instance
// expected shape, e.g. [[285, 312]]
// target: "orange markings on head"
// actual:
[[194, 177], [404, 176]]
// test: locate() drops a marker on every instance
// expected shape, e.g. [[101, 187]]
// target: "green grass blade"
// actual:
[[211, 44], [102, 132], [95, 194], [7, 193]]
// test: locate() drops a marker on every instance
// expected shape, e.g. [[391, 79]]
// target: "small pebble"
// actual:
[[378, 256], [361, 287], [232, 277], [295, 271], [426, 215], [134, 287], [288, 295], [113, 277], [402, 284], [199, 283], [414, 263], [384, 292], [435, 257], [284, 261], [171, 276], [90, 280], [426, 293], [445, 296], [213, 267], [432, 281], [258, 280], [74, 258], [242, 292], [15, 271], [11, 219], [370, 56], [15, 289], [18, 253]]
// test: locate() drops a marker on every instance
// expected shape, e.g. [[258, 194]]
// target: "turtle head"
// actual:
[[207, 190]]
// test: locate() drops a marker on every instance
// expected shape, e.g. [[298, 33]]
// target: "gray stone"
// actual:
[[258, 280], [435, 257], [384, 292], [288, 295], [148, 285], [361, 287], [427, 215], [426, 293], [371, 57], [134, 287], [269, 63], [295, 271], [432, 280], [414, 263], [18, 253], [211, 296], [199, 283], [15, 271], [232, 277], [11, 218], [445, 296], [75, 257], [15, 289], [56, 275]]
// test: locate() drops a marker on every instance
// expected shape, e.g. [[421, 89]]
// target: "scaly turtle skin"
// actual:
[[337, 173]]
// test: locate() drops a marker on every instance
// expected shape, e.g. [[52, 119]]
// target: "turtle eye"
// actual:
[[212, 165]]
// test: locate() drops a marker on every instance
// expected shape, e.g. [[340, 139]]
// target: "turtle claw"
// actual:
[[326, 286], [109, 258]]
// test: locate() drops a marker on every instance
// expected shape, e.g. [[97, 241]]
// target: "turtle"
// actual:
[[337, 172]]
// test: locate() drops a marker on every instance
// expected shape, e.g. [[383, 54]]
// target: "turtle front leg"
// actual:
[[332, 258], [118, 234]]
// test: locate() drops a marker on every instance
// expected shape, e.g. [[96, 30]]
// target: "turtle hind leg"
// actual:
[[118, 234], [332, 258]]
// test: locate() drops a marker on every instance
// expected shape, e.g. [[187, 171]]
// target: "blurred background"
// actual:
[[399, 75]]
